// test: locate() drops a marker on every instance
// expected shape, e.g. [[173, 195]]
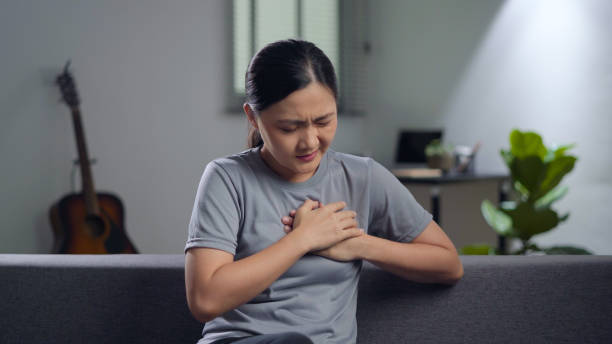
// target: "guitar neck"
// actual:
[[91, 201]]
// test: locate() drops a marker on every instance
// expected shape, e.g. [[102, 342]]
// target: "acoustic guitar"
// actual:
[[86, 222]]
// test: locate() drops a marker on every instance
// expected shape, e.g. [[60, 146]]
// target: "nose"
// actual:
[[309, 140]]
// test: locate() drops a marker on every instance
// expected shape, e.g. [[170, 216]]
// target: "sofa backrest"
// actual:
[[95, 299], [141, 299], [500, 299]]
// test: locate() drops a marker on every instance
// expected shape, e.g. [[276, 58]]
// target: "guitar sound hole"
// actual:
[[95, 224]]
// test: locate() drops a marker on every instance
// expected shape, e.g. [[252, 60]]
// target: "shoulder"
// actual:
[[364, 169], [359, 162], [232, 166], [348, 159], [350, 164]]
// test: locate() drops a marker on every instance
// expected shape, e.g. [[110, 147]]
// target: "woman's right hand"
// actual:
[[322, 227]]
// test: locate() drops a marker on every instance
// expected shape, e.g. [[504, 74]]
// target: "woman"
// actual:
[[278, 232]]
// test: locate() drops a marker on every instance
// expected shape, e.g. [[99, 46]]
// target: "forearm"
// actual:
[[413, 261], [238, 282]]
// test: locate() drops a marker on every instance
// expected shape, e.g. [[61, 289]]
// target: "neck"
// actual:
[[282, 171]]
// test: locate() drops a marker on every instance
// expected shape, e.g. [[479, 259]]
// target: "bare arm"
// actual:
[[429, 258], [215, 283]]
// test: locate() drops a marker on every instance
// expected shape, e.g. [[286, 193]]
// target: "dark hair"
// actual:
[[279, 69]]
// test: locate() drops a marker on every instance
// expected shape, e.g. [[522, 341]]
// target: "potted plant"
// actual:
[[535, 171], [439, 155]]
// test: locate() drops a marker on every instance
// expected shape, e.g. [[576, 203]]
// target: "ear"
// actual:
[[250, 115]]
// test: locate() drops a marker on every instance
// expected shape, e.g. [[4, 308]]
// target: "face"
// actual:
[[302, 124]]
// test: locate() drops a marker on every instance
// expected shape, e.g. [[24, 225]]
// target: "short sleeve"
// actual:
[[215, 218], [394, 212]]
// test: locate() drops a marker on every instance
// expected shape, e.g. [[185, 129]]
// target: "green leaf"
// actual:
[[527, 221], [554, 195], [524, 144], [507, 156], [529, 171], [555, 171], [520, 188], [478, 249], [566, 250], [557, 151], [497, 219]]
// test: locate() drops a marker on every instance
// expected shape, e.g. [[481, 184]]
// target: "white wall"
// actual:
[[480, 68], [152, 76]]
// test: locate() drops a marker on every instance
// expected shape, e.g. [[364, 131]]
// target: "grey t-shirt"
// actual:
[[238, 208]]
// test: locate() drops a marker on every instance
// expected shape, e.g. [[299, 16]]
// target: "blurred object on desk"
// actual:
[[417, 172], [439, 155], [465, 158]]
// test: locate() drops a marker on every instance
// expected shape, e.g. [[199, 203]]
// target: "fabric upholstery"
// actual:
[[141, 299]]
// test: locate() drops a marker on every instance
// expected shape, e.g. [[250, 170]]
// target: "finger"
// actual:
[[308, 205], [286, 220], [348, 223], [346, 214], [292, 213], [305, 207], [352, 232], [334, 207], [287, 229]]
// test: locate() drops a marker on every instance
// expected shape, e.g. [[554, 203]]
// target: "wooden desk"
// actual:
[[452, 178]]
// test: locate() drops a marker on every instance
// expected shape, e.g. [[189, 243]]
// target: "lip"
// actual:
[[308, 157]]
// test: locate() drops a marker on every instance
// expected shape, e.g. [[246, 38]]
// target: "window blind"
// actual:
[[259, 22]]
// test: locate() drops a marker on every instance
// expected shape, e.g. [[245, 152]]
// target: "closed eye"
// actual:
[[287, 130]]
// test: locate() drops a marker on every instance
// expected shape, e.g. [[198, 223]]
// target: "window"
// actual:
[[330, 24], [259, 22]]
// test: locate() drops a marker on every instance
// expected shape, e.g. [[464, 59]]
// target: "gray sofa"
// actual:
[[141, 299]]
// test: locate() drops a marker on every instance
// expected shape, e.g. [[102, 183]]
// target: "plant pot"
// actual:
[[441, 161]]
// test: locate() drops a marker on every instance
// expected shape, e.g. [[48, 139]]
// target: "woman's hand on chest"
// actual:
[[346, 250]]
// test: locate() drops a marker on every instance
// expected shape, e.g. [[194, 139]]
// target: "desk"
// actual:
[[452, 178]]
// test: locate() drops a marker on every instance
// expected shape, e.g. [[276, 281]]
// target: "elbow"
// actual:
[[455, 274], [452, 279], [456, 277], [203, 310], [458, 274]]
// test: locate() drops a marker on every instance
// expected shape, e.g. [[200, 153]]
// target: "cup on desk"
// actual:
[[464, 159]]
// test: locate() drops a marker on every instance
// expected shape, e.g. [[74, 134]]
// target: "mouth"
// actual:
[[308, 157]]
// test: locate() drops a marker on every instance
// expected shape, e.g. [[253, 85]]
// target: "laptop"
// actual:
[[410, 159]]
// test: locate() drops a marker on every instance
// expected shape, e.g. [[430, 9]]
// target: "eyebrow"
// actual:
[[298, 122]]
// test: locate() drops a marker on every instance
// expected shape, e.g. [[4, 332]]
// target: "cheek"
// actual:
[[329, 132], [283, 143]]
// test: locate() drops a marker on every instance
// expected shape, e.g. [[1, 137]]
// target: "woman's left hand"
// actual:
[[343, 251]]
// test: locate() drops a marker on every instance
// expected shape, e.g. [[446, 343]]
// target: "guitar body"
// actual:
[[77, 232]]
